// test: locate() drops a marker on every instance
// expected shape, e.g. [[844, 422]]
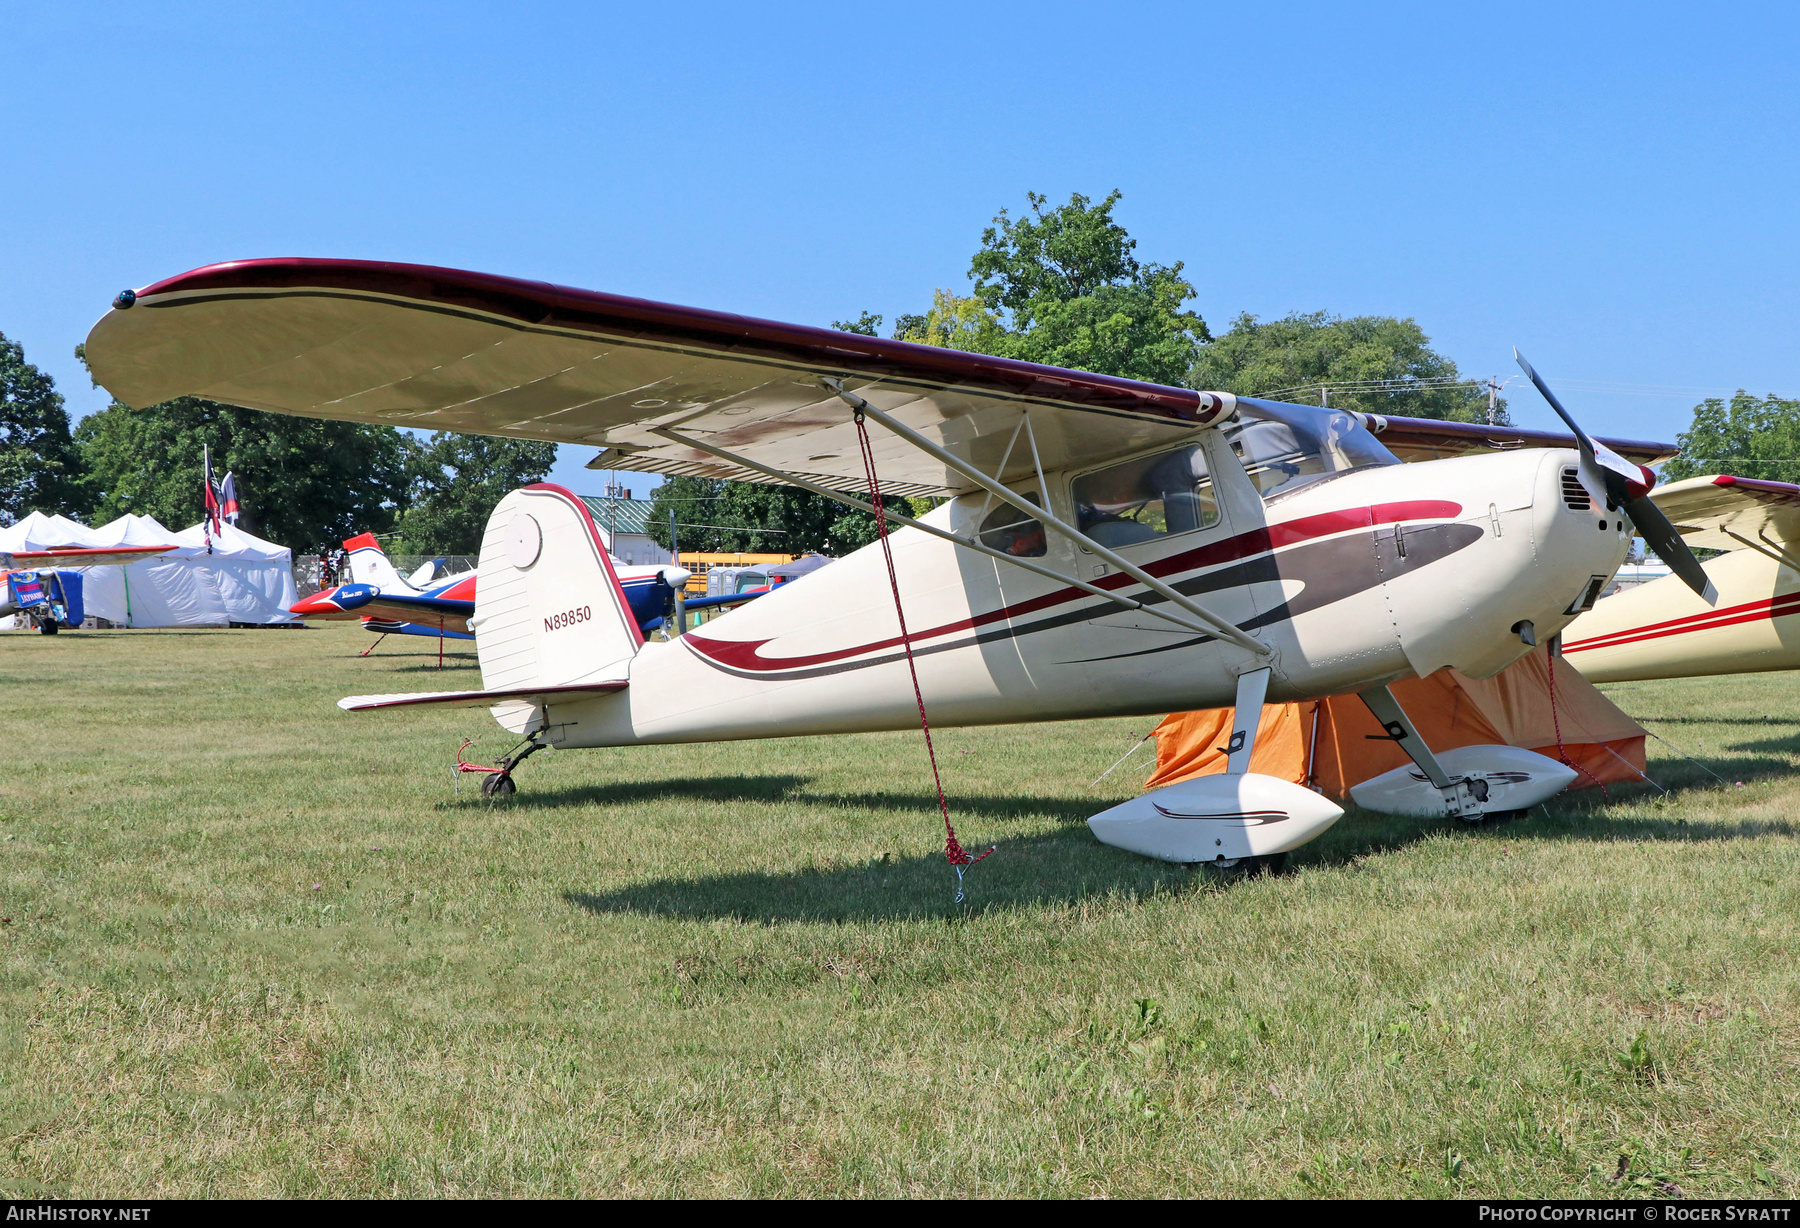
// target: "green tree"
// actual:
[[720, 516], [955, 322], [40, 469], [455, 481], [1064, 289], [302, 482], [868, 324], [1376, 364], [1752, 437]]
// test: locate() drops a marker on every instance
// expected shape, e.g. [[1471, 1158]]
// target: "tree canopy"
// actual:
[[1376, 364], [1062, 287], [1750, 436], [39, 467], [453, 482], [302, 482]]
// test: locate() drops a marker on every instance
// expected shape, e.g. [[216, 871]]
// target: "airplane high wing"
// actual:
[[78, 556], [1722, 512], [436, 348], [1423, 439], [661, 388]]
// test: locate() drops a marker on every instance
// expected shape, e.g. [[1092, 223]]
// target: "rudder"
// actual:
[[549, 610], [369, 565]]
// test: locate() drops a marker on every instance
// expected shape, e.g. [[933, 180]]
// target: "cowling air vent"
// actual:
[[1575, 495]]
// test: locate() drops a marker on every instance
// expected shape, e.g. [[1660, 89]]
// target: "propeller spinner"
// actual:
[[1617, 483]]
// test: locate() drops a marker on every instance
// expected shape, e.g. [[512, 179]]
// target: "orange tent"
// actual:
[[1335, 743]]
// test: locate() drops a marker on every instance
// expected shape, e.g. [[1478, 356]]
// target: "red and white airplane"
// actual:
[[387, 603], [1105, 546]]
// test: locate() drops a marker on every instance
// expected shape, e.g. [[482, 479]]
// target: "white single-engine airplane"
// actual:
[[1107, 547]]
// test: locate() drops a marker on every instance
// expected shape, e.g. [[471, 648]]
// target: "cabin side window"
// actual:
[[1150, 497], [1011, 531]]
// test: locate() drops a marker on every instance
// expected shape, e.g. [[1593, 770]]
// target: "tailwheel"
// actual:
[[500, 784], [1233, 869]]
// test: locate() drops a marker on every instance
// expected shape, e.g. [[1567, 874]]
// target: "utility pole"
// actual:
[[1493, 394], [680, 596], [1325, 396]]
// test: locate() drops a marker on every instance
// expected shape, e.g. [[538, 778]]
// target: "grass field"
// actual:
[[252, 945]]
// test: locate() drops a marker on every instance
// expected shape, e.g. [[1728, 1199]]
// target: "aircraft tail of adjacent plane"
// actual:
[[549, 609], [369, 565]]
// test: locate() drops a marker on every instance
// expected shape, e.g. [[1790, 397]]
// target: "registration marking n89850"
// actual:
[[568, 618]]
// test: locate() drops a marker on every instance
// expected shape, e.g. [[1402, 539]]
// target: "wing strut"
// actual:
[[967, 543], [1219, 626]]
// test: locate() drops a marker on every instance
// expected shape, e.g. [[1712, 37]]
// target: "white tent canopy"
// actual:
[[243, 580]]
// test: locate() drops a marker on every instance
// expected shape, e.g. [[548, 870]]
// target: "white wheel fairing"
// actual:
[[1213, 817], [1517, 779]]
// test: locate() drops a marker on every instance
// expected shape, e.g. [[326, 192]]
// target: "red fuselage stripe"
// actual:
[[746, 654], [1751, 611]]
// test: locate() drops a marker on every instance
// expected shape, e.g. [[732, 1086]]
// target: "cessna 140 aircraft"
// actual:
[[1106, 547]]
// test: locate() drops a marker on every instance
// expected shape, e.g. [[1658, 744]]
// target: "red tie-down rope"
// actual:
[[953, 849], [1550, 659]]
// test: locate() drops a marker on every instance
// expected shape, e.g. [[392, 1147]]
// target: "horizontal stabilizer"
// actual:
[[483, 699], [707, 603]]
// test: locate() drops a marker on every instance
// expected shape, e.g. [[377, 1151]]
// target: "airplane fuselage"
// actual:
[[1352, 581], [1663, 630]]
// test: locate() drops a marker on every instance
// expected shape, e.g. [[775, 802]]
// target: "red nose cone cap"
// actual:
[[1639, 490]]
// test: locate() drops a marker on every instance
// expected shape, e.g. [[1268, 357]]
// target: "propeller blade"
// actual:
[[1593, 475], [1616, 482], [1660, 535]]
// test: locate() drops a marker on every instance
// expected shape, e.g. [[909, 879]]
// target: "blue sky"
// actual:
[[1612, 188]]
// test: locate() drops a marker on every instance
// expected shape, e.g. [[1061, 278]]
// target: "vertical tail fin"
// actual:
[[369, 565], [549, 610]]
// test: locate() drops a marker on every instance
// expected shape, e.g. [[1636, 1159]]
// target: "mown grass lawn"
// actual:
[[252, 945]]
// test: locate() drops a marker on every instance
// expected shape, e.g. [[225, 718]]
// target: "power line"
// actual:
[[1386, 385]]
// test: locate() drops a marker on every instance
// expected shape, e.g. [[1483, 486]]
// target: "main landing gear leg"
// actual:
[[1246, 720], [500, 784], [1464, 797]]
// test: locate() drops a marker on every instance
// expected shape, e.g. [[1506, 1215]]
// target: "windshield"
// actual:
[[1287, 447]]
